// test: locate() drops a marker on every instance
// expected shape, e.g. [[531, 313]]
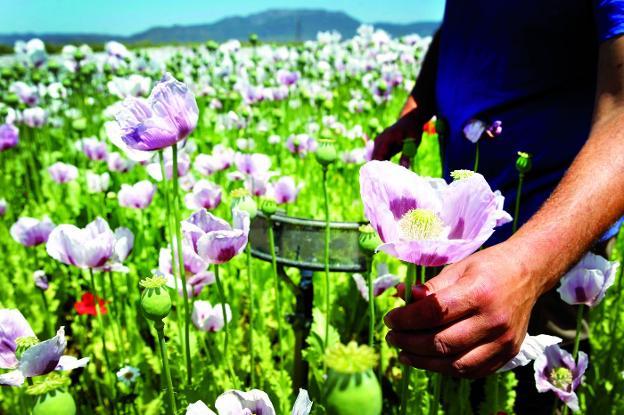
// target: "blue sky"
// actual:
[[130, 16]]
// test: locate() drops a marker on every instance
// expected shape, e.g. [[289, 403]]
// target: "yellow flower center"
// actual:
[[420, 224], [561, 378], [461, 174]]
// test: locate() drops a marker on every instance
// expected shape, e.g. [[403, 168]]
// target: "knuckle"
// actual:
[[500, 322], [441, 346], [481, 296]]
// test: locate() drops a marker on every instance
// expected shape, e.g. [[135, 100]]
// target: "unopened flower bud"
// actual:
[[523, 163], [41, 280], [79, 124], [409, 148], [155, 300], [241, 200], [326, 152]]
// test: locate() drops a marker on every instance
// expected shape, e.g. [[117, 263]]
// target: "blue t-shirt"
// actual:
[[531, 64]]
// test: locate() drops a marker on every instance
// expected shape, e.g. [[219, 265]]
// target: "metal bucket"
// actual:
[[300, 243]]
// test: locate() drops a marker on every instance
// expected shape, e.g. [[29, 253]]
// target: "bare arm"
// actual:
[[471, 319], [591, 195]]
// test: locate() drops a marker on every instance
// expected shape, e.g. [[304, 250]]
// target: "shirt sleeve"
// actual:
[[609, 15]]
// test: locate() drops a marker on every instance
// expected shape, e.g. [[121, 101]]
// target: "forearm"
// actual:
[[586, 202]]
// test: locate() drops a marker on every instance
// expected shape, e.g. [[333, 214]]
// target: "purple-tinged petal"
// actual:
[[390, 191], [67, 363], [12, 326], [220, 247], [13, 378], [361, 285], [42, 358]]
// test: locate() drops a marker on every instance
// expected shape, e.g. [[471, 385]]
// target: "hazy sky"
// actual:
[[130, 16]]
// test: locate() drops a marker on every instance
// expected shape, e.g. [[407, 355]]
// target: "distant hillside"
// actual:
[[271, 25]]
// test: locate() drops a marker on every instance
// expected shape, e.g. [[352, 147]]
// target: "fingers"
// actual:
[[478, 362], [450, 300], [418, 291], [453, 340], [387, 144]]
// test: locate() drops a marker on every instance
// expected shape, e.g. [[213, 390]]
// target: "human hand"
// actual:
[[469, 320], [390, 141]]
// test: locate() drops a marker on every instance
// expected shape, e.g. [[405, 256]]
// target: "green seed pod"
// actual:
[[268, 206], [409, 148], [326, 152], [79, 124], [253, 39], [11, 99], [352, 387], [523, 163], [57, 402], [369, 240], [155, 300], [52, 396], [211, 45], [242, 201]]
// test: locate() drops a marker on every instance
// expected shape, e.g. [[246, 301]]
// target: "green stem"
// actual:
[[407, 370], [278, 295], [517, 207], [495, 381], [109, 367], [176, 197], [577, 341], [159, 325], [326, 257], [371, 306], [225, 320], [476, 163], [579, 327], [116, 325], [252, 363], [48, 321], [437, 387], [172, 251]]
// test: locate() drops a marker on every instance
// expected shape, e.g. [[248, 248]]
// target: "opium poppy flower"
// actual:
[[86, 305], [428, 222]]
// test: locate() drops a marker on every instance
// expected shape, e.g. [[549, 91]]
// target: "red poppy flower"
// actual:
[[86, 305], [430, 127]]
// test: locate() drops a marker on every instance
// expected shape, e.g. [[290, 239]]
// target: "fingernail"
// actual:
[[419, 291], [390, 337]]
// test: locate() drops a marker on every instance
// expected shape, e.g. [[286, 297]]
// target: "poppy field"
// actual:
[[201, 230]]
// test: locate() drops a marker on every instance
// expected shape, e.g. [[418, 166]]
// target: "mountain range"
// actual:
[[270, 25]]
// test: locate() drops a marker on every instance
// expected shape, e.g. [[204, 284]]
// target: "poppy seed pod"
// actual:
[[369, 240], [268, 206], [523, 163], [351, 387], [326, 152], [155, 300], [52, 396]]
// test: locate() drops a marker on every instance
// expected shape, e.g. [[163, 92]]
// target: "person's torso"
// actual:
[[530, 64]]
